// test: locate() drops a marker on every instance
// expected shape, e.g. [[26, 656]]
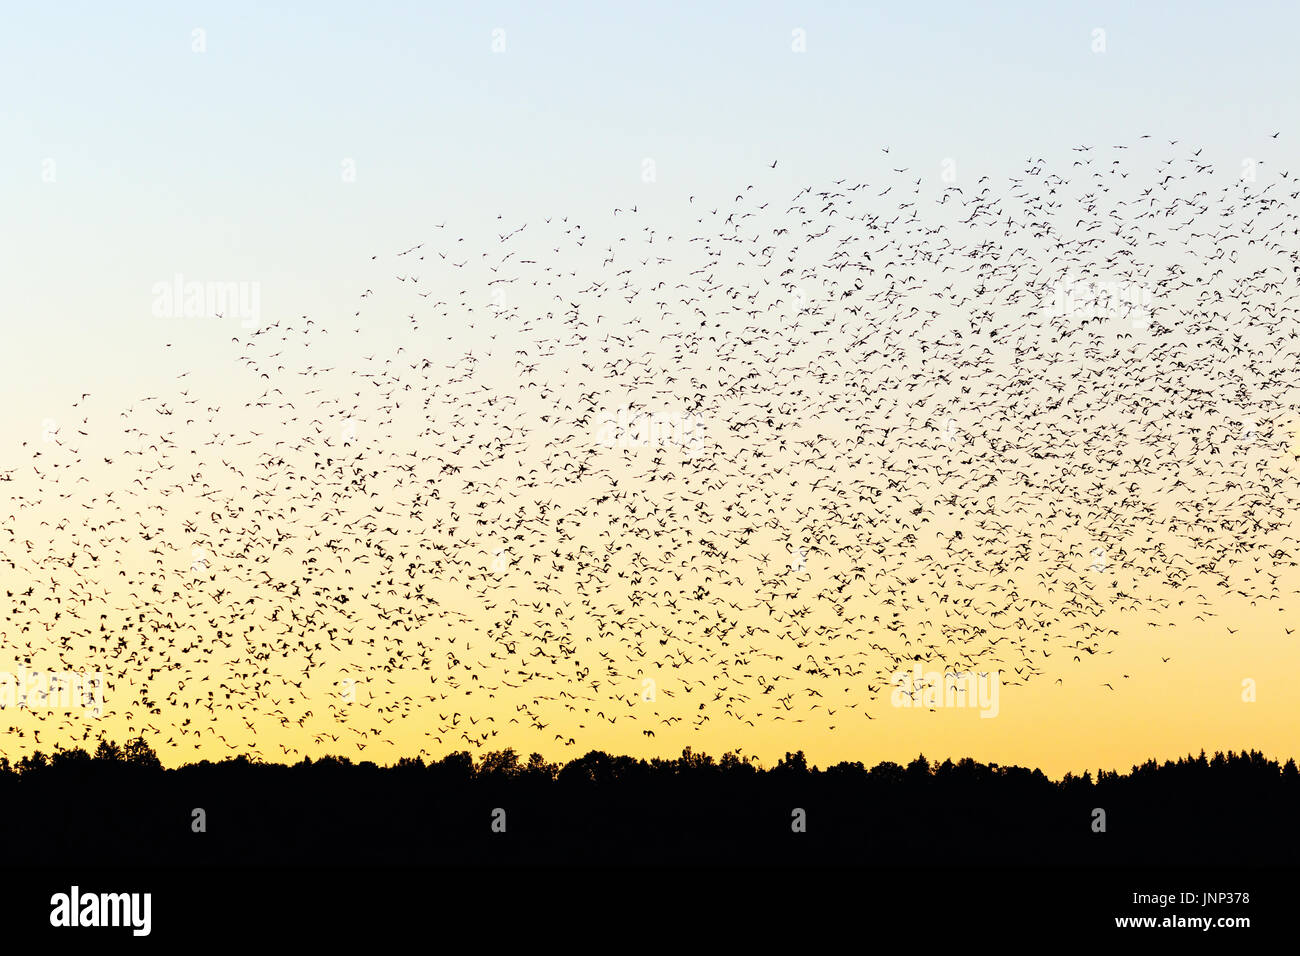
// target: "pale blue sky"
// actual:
[[226, 164]]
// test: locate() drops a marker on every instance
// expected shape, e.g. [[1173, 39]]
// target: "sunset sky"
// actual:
[[297, 152]]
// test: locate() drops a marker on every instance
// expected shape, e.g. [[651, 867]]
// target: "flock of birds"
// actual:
[[642, 478]]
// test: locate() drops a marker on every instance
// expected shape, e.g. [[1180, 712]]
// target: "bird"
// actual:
[[768, 453]]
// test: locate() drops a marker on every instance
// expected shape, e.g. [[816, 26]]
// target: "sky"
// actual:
[[283, 146], [227, 164]]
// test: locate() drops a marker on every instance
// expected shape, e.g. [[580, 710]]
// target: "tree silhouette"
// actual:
[[597, 806]]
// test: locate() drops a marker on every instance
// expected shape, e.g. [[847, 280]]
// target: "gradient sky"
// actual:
[[227, 165]]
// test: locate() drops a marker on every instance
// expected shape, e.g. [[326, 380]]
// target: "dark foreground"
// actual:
[[123, 809], [617, 849]]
